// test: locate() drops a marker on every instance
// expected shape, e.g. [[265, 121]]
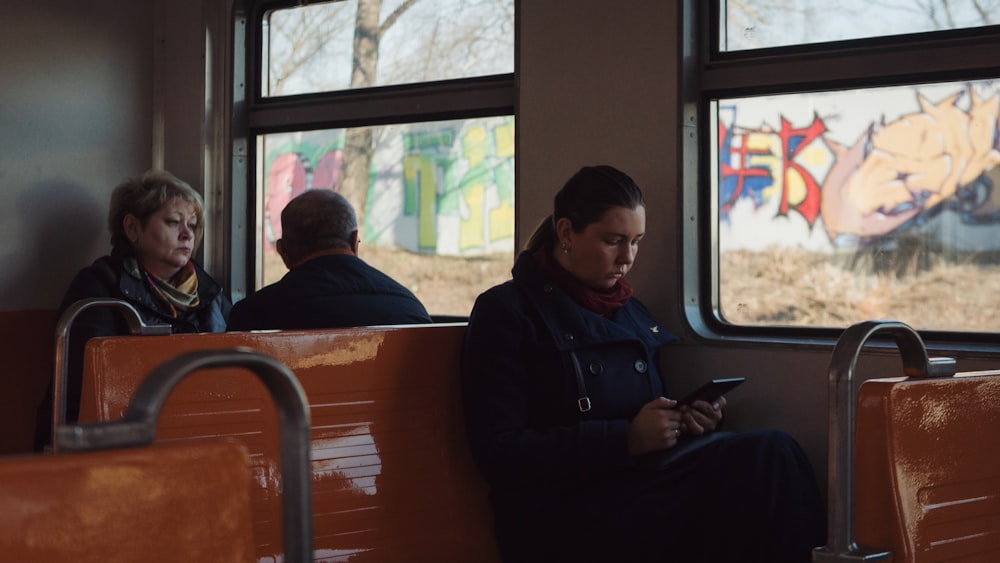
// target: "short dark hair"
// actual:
[[143, 195], [584, 199], [316, 220]]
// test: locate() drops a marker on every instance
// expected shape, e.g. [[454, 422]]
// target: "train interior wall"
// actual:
[[74, 108], [86, 87], [91, 92]]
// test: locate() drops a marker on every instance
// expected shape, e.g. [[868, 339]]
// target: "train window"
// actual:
[[406, 108], [438, 212], [850, 205], [838, 182], [776, 23], [329, 46]]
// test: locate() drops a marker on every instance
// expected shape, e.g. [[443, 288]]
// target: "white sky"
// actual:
[[789, 22]]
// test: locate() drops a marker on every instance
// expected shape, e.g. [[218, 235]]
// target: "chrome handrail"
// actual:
[[135, 325], [840, 522], [137, 427]]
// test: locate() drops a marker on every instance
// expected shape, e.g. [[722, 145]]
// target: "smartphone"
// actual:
[[711, 390]]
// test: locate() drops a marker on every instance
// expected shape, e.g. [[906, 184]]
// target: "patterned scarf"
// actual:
[[179, 293], [604, 302]]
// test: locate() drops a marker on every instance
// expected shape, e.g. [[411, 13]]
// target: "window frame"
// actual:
[[708, 73], [255, 114]]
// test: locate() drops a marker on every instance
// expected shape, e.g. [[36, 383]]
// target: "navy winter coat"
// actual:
[[106, 277], [332, 291], [528, 346], [563, 485]]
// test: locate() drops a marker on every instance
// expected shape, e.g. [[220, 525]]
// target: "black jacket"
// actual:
[[563, 486], [107, 277], [528, 346], [332, 291]]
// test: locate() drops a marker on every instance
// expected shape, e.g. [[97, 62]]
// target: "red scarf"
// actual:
[[604, 302]]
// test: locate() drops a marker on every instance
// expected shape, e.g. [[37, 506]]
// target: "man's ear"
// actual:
[[355, 241], [281, 252]]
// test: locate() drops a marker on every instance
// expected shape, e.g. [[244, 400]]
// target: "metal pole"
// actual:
[[840, 523], [138, 427], [135, 324]]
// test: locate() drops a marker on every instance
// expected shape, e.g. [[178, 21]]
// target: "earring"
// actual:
[[565, 248]]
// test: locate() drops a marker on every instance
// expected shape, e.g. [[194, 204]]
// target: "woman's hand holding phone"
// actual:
[[701, 410], [701, 416], [656, 426]]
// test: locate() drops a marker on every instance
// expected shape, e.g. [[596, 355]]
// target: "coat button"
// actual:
[[640, 366], [596, 368], [569, 337]]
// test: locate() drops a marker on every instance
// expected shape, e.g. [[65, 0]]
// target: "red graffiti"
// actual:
[[743, 172], [793, 141]]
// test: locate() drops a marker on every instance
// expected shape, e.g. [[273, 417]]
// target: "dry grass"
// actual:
[[799, 288], [446, 285], [786, 287]]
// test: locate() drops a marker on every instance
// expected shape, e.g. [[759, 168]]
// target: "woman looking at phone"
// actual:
[[587, 460]]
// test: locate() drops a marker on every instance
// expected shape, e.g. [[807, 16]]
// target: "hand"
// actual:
[[701, 416], [656, 426]]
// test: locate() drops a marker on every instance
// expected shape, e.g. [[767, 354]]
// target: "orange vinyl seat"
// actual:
[[158, 504], [392, 478], [927, 467]]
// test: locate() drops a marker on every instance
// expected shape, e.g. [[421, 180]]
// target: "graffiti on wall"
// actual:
[[897, 174], [462, 185], [444, 188]]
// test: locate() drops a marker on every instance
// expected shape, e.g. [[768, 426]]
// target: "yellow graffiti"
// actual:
[[470, 233], [419, 172], [502, 221], [504, 138], [900, 169], [483, 211], [474, 145]]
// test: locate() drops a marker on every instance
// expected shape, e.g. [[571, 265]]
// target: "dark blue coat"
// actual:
[[563, 485], [332, 291], [106, 277], [527, 341]]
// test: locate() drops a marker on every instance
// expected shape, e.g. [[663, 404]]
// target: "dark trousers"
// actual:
[[723, 498]]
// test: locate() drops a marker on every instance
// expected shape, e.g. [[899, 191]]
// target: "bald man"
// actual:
[[327, 284]]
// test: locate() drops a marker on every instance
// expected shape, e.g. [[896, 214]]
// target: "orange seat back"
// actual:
[[391, 475], [927, 467], [159, 504]]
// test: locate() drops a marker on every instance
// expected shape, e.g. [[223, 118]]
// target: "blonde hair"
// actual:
[[143, 195]]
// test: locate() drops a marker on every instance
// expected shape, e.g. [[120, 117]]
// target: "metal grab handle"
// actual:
[[840, 523], [138, 427], [135, 325]]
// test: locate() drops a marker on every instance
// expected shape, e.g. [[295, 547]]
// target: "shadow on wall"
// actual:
[[60, 228]]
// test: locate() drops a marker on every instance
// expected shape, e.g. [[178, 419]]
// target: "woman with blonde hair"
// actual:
[[156, 222]]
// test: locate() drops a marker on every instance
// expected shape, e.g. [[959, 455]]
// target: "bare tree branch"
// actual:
[[395, 15]]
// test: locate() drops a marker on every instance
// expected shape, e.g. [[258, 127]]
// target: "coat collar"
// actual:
[[134, 288], [573, 326]]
